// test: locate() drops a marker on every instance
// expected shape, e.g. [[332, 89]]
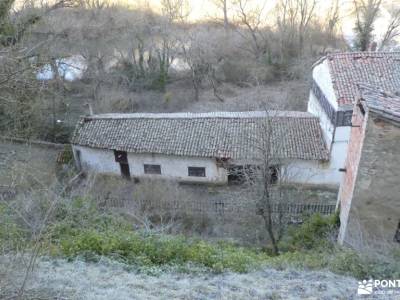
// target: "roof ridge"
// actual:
[[363, 53], [190, 115], [353, 53]]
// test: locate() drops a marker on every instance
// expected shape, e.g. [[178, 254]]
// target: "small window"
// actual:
[[273, 174], [197, 171], [152, 169]]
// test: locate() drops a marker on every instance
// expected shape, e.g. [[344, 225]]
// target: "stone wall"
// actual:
[[370, 194], [359, 122]]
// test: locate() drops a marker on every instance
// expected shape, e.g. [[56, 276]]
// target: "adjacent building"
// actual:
[[202, 147], [334, 91], [369, 195]]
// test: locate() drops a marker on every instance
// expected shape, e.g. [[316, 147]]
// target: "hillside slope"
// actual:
[[109, 280]]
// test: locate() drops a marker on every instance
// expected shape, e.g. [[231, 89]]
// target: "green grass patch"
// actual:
[[156, 250], [83, 231], [12, 235], [317, 232], [79, 229]]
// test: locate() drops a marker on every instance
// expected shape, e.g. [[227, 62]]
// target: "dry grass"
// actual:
[[290, 95], [110, 280]]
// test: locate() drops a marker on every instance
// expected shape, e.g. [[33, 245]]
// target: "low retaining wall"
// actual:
[[23, 159], [31, 142]]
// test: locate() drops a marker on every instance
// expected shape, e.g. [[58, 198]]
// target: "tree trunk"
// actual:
[[267, 216], [226, 22]]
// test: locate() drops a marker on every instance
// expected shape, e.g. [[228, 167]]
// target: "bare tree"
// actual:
[[332, 21], [393, 29], [267, 169], [306, 8], [198, 67], [249, 15], [23, 97], [267, 175], [93, 4], [175, 10], [223, 6], [202, 61], [366, 12], [293, 23]]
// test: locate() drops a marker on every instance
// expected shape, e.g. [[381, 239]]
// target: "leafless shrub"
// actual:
[[32, 210]]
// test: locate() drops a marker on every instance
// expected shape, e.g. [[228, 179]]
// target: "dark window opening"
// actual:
[[197, 171], [152, 169], [241, 174], [361, 107], [78, 159], [273, 175], [397, 234], [121, 156]]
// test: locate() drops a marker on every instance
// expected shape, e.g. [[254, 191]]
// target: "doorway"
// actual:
[[121, 157]]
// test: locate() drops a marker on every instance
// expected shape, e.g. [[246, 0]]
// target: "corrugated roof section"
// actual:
[[236, 135]]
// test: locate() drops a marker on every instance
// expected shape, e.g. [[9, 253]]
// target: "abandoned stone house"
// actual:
[[201, 147], [334, 91], [369, 195]]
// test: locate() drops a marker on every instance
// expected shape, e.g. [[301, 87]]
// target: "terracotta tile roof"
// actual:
[[221, 135], [379, 69], [383, 103]]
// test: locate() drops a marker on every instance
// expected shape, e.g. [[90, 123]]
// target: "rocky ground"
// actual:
[[59, 279]]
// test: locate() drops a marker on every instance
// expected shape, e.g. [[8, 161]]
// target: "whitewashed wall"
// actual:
[[177, 167], [326, 125], [336, 138], [323, 78], [96, 160], [103, 161], [295, 171], [311, 172]]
